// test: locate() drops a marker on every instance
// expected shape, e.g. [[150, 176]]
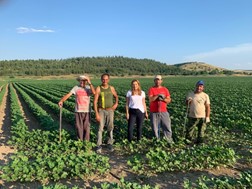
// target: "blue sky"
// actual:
[[218, 32]]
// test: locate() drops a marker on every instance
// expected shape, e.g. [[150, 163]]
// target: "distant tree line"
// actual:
[[117, 66]]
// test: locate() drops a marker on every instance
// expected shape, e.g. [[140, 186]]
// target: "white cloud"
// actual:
[[32, 30], [237, 57]]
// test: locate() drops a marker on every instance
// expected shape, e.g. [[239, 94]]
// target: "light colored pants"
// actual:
[[107, 118], [163, 120]]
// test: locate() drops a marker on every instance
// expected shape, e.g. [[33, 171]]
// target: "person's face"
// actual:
[[105, 80], [83, 83], [158, 82], [135, 85], [199, 88]]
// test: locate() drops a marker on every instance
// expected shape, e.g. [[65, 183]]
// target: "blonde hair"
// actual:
[[139, 90]]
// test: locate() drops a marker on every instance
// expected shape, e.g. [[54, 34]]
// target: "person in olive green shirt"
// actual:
[[104, 107]]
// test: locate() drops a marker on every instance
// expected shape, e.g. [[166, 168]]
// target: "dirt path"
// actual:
[[5, 122]]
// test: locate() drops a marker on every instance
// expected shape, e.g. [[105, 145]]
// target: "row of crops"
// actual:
[[40, 156]]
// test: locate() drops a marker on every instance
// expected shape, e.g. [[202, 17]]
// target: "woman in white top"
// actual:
[[135, 109]]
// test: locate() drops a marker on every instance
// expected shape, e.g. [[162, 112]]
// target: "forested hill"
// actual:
[[118, 66]]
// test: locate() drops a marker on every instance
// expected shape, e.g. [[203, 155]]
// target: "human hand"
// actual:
[[97, 117], [189, 100], [146, 115], [127, 116], [88, 80], [114, 106], [207, 119], [60, 104], [161, 97]]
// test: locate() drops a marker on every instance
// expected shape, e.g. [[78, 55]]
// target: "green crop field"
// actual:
[[40, 157]]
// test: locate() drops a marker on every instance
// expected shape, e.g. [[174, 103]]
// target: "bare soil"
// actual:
[[118, 163]]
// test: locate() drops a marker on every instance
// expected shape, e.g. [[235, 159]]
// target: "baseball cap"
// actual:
[[200, 83], [158, 77]]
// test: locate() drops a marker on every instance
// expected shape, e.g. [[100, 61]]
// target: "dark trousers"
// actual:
[[82, 125], [135, 116]]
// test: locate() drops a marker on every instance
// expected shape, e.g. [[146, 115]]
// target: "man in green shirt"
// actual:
[[104, 107]]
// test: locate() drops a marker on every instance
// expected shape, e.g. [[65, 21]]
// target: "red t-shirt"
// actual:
[[158, 106]]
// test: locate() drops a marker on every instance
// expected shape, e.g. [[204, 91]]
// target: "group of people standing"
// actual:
[[106, 102]]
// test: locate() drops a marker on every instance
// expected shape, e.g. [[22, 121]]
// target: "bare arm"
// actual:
[[97, 93], [127, 108], [63, 99], [145, 109], [208, 109], [116, 97], [153, 98], [188, 100], [91, 86], [167, 99]]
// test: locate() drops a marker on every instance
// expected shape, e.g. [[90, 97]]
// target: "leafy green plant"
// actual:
[[244, 181], [124, 185]]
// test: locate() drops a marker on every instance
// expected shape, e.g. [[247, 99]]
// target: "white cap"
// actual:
[[158, 77], [81, 77]]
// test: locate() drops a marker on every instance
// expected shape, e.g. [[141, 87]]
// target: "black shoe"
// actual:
[[110, 147], [199, 141], [98, 149]]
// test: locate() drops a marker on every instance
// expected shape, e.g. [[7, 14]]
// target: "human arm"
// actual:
[[208, 109], [92, 88], [188, 100], [145, 109], [64, 98], [127, 108], [164, 96], [152, 98], [167, 99], [91, 85], [115, 96], [97, 93]]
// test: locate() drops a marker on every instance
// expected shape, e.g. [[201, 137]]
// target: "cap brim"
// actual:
[[81, 78]]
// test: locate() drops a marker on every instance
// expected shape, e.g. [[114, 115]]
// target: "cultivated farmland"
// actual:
[[32, 157]]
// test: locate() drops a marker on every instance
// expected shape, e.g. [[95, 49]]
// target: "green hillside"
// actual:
[[117, 66]]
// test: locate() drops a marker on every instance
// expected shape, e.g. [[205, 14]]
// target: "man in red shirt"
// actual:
[[159, 97]]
